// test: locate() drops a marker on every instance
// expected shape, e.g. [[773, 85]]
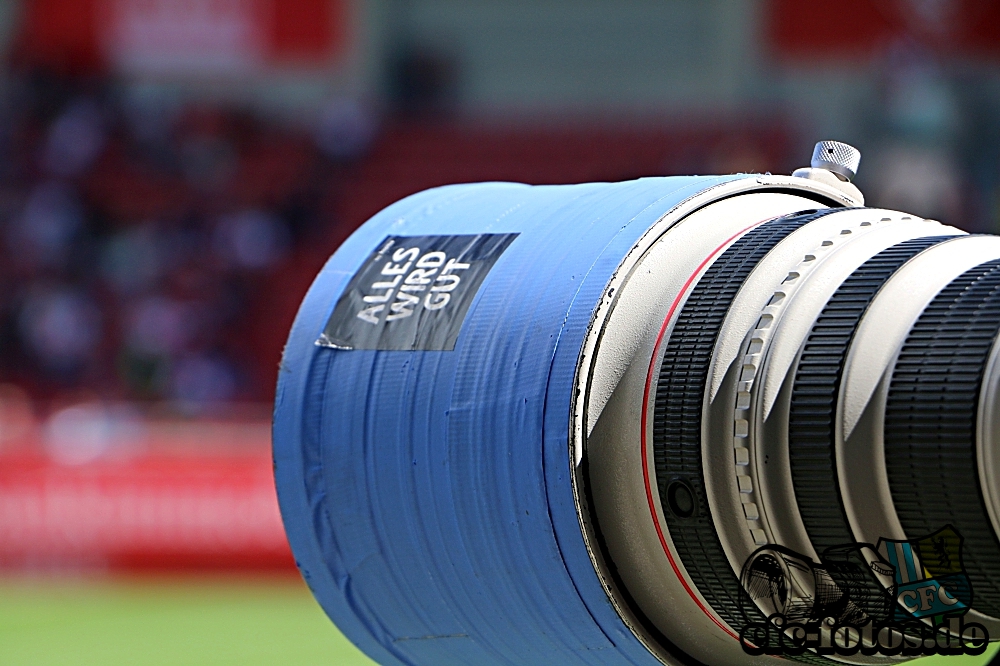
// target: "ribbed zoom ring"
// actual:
[[677, 417], [930, 424], [811, 436]]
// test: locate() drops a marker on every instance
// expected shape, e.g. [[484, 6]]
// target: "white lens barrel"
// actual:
[[882, 268]]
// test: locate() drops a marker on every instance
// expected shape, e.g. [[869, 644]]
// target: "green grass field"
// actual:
[[167, 621], [214, 621]]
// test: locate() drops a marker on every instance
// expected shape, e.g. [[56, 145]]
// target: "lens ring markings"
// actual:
[[797, 297], [813, 408], [930, 424], [680, 392]]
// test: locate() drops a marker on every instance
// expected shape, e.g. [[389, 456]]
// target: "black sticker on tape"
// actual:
[[413, 292]]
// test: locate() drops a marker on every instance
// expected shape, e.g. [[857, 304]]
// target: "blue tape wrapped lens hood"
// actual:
[[424, 445]]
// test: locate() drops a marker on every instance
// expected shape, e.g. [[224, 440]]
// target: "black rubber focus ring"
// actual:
[[677, 416], [930, 424], [813, 408]]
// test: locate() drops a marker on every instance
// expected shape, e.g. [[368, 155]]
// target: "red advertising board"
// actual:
[[201, 503], [860, 29], [184, 36]]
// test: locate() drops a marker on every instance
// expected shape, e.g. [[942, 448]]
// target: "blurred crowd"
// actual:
[[153, 250], [137, 234]]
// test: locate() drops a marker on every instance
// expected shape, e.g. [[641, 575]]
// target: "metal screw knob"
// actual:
[[837, 157]]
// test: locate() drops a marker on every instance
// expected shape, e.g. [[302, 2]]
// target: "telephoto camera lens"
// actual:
[[689, 420]]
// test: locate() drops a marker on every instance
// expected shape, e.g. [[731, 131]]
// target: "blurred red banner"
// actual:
[[189, 37], [158, 509], [861, 29]]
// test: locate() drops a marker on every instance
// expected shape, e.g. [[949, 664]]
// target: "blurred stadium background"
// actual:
[[173, 173]]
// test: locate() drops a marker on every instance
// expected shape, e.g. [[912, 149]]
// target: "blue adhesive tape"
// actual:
[[427, 493]]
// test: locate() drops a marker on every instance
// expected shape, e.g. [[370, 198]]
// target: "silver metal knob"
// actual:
[[837, 157]]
